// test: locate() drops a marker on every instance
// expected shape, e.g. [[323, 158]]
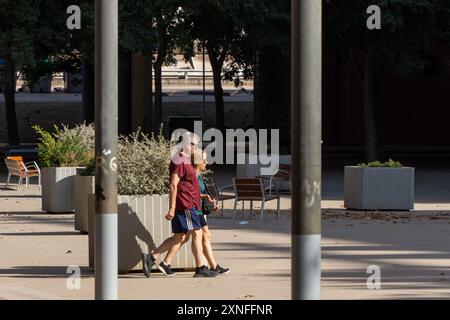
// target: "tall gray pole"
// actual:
[[306, 148], [106, 105], [204, 85]]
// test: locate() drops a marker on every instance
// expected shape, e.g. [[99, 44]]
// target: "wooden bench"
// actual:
[[253, 190], [24, 171]]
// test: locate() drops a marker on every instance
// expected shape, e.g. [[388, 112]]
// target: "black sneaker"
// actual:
[[221, 271], [148, 262], [166, 269], [205, 272]]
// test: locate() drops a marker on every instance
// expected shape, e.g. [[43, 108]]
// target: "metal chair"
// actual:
[[24, 171], [216, 192]]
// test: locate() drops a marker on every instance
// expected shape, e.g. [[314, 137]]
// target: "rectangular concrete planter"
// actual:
[[84, 185], [142, 227], [379, 188], [58, 189]]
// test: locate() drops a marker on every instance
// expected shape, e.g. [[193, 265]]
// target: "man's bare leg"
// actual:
[[207, 248], [174, 241], [174, 250], [197, 247]]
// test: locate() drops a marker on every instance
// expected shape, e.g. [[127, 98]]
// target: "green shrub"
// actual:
[[66, 147], [377, 164], [143, 164]]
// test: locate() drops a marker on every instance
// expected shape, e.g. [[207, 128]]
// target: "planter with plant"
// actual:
[[143, 179], [63, 154], [379, 186]]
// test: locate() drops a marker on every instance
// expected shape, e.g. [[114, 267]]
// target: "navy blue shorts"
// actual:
[[185, 221]]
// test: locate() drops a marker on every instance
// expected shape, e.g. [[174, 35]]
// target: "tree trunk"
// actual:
[[370, 130], [142, 93], [87, 70], [124, 123], [158, 95], [217, 66], [273, 106], [162, 53], [10, 103]]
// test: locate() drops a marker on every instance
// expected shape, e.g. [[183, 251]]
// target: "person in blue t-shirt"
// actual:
[[206, 200]]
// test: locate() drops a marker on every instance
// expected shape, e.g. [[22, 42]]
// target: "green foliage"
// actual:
[[33, 34], [377, 164], [66, 147], [408, 28], [143, 163], [233, 30]]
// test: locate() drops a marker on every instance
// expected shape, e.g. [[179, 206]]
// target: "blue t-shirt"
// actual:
[[202, 191]]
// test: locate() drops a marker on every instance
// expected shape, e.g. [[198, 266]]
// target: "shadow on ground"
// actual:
[[43, 272]]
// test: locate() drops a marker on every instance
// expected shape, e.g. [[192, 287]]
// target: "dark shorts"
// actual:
[[203, 221], [185, 221]]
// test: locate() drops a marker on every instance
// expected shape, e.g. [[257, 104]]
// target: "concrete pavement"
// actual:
[[411, 250]]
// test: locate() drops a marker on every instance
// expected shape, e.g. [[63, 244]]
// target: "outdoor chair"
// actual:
[[216, 192], [283, 174], [24, 171], [253, 190]]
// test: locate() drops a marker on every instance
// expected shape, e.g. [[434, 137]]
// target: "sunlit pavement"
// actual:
[[410, 249]]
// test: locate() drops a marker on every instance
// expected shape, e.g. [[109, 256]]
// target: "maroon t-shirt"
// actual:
[[188, 191]]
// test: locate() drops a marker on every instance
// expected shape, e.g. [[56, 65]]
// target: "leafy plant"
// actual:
[[377, 164], [143, 163], [66, 147]]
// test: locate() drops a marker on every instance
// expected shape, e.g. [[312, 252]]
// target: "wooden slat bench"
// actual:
[[253, 190], [24, 171]]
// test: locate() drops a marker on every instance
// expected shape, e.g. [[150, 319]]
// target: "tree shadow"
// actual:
[[43, 272], [36, 234]]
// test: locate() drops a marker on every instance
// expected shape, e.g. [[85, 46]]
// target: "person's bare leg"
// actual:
[[173, 241], [207, 248], [174, 250], [197, 247]]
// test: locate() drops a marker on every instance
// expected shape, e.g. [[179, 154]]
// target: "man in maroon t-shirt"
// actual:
[[184, 195]]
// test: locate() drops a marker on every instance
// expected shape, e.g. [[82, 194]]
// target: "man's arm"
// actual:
[[173, 185]]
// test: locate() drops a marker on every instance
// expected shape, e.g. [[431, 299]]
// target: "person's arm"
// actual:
[[208, 197], [173, 185]]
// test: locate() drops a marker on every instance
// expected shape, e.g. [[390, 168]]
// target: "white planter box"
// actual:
[[58, 189], [252, 170], [379, 188], [84, 185], [142, 227]]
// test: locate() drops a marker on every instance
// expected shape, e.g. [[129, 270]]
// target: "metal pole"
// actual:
[[106, 106], [204, 85], [306, 148]]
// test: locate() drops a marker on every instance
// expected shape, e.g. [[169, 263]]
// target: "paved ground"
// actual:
[[410, 248]]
